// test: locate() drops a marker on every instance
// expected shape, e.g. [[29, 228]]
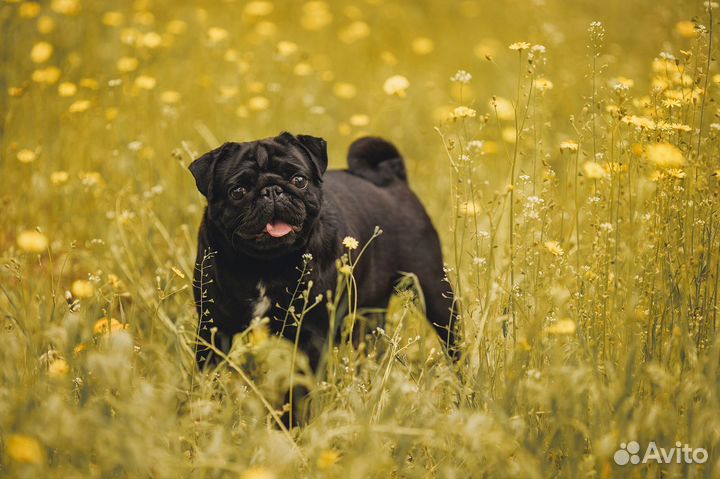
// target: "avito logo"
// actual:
[[629, 453]]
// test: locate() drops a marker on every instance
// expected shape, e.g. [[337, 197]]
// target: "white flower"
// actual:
[[461, 77]]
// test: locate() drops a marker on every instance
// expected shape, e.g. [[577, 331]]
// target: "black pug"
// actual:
[[271, 201]]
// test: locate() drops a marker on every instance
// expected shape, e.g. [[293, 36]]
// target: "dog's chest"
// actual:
[[262, 302]]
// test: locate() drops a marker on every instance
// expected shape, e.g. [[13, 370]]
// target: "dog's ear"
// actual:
[[316, 148], [203, 169]]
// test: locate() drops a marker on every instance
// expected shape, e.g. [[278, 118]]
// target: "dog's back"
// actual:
[[372, 192]]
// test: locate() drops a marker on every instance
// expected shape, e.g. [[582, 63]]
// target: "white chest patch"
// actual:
[[262, 303]]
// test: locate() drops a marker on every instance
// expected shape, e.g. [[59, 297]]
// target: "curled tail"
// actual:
[[376, 160]]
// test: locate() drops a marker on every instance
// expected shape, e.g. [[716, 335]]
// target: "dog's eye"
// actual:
[[237, 193], [299, 181]]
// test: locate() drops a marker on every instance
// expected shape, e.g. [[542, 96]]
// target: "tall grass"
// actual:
[[573, 178]]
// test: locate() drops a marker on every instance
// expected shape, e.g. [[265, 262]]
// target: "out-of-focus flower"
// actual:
[[108, 326], [357, 30], [145, 82], [24, 449], [258, 103], [286, 48], [170, 97], [113, 19], [396, 85], [543, 84], [65, 7], [59, 177], [502, 107], [29, 9], [593, 170], [67, 89], [422, 46], [344, 90], [258, 8], [49, 75], [554, 248], [32, 241], [217, 34], [315, 15], [127, 64], [79, 106], [562, 327], [26, 155], [569, 145], [58, 367], [359, 120], [686, 29], [327, 459], [82, 288], [41, 52], [257, 472], [665, 155]]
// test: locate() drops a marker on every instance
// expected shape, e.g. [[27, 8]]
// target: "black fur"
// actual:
[[335, 204]]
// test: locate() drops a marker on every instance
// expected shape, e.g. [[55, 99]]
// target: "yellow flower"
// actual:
[[65, 7], [82, 288], [463, 112], [217, 34], [686, 29], [519, 46], [396, 85], [32, 241], [259, 334], [502, 107], [357, 30], [543, 84], [563, 326], [89, 83], [286, 48], [170, 97], [59, 177], [127, 64], [79, 106], [350, 243], [637, 149], [422, 46], [554, 248], [508, 134], [327, 459], [49, 75], [29, 9], [359, 120], [151, 40], [26, 155], [257, 472], [593, 170], [58, 368], [108, 326], [41, 52], [315, 15], [45, 24], [344, 90], [67, 89], [346, 269], [113, 19], [258, 8], [145, 82], [26, 449], [176, 27], [569, 145], [258, 103], [665, 155]]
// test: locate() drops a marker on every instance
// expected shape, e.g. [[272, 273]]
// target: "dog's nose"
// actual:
[[272, 192]]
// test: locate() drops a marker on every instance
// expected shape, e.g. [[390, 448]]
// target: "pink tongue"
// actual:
[[277, 230]]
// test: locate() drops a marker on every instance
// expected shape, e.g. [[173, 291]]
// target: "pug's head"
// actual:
[[264, 196]]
